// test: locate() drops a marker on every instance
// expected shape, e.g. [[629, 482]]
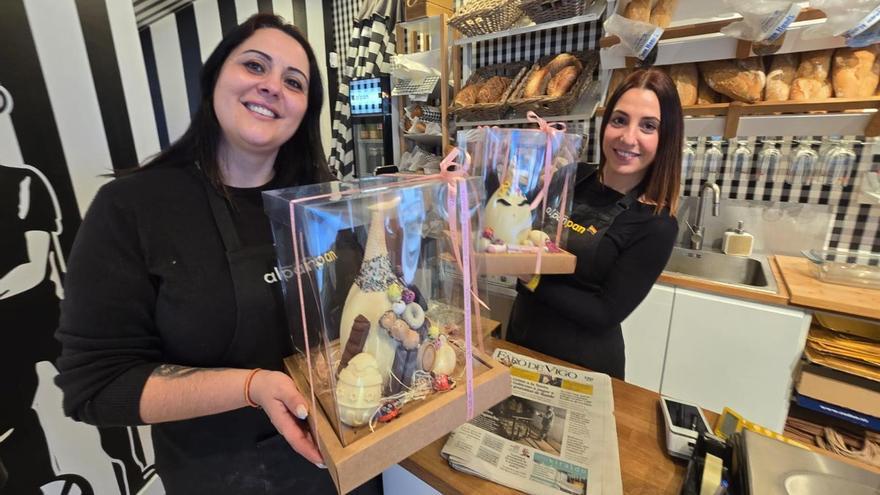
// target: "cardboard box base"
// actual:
[[524, 263], [371, 453]]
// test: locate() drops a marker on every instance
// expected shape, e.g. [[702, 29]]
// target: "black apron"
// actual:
[[596, 220], [535, 325], [239, 452]]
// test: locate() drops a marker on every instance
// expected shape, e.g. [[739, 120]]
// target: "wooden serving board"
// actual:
[[807, 290]]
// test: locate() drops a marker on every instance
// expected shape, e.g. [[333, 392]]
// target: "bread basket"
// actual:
[[495, 110], [478, 17], [553, 105], [542, 11]]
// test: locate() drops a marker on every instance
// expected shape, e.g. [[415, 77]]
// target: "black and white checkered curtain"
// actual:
[[369, 52]]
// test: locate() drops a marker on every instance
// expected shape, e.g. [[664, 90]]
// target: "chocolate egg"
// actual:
[[359, 390]]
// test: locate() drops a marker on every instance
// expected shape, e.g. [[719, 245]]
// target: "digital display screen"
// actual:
[[365, 96], [685, 416]]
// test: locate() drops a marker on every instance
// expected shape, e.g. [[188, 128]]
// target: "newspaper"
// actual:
[[555, 435]]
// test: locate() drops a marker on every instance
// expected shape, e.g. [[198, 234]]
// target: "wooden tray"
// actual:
[[524, 263], [365, 454]]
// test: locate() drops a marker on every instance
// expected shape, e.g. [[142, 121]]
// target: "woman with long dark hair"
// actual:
[[627, 208], [170, 319]]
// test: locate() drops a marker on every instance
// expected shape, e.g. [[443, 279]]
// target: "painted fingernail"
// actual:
[[301, 412], [321, 466]]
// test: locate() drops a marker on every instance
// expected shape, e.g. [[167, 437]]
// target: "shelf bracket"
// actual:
[[731, 123]]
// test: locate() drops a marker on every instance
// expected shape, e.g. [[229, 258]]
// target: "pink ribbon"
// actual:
[[549, 129]]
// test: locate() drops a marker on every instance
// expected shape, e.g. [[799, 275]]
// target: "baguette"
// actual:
[[562, 81], [561, 61], [782, 73], [537, 83]]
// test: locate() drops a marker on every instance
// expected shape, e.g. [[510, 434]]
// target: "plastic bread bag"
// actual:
[[848, 18], [637, 38], [763, 20]]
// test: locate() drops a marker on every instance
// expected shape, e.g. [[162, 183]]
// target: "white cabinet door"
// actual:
[[645, 332], [729, 352]]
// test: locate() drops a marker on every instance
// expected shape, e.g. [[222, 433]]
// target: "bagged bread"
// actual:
[[741, 80], [492, 90], [561, 61], [686, 79], [855, 72], [782, 73], [638, 10], [661, 14], [536, 85], [562, 81], [811, 82], [467, 95]]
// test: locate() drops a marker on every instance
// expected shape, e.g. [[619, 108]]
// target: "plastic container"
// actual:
[[841, 267]]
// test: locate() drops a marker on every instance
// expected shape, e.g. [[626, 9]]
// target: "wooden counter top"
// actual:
[[780, 297], [806, 290], [644, 464]]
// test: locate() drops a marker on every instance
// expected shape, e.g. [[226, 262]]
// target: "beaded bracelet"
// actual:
[[247, 388]]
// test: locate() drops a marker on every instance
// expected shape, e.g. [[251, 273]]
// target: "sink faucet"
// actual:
[[698, 229]]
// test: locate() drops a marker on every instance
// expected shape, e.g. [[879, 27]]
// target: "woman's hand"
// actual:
[[276, 393]]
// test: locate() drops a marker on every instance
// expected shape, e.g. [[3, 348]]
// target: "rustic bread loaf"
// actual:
[[783, 69], [638, 10], [686, 79], [536, 85], [493, 89], [661, 14], [855, 72], [562, 81], [561, 61], [804, 88], [741, 80], [468, 94], [705, 94]]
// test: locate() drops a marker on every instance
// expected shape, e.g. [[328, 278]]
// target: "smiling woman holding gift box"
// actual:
[[173, 316], [626, 208]]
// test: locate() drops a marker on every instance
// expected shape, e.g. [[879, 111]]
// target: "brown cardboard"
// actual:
[[416, 9], [841, 389], [416, 427], [524, 263]]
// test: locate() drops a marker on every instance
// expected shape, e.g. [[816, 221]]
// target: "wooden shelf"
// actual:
[[842, 116], [429, 139], [704, 41], [584, 109], [594, 13]]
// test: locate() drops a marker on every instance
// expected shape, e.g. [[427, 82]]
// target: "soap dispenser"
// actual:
[[738, 242]]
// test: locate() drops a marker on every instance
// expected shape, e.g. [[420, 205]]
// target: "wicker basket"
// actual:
[[553, 105], [496, 110], [478, 17], [553, 10]]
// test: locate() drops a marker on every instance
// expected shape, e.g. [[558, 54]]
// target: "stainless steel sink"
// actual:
[[752, 272]]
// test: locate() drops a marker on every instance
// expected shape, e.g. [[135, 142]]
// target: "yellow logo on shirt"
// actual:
[[592, 229]]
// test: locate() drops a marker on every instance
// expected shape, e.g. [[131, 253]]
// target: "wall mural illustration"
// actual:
[[41, 450]]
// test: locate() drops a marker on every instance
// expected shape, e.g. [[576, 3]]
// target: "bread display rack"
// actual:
[[578, 110], [426, 33], [691, 38]]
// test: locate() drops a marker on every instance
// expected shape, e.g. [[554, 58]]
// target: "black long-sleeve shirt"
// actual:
[[577, 317]]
